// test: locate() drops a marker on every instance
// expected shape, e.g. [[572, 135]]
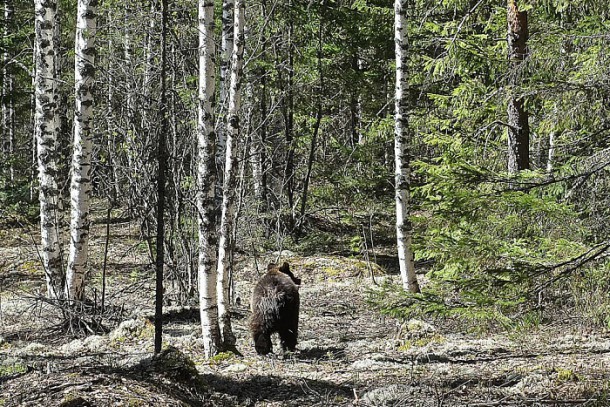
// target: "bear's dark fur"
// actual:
[[275, 308]]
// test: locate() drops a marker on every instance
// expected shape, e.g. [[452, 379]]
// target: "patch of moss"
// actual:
[[332, 271], [136, 403], [70, 398], [29, 267], [221, 357], [148, 331], [566, 375], [529, 322], [422, 341], [407, 345], [16, 368], [132, 330]]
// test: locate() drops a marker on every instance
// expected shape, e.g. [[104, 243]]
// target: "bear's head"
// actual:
[[284, 268]]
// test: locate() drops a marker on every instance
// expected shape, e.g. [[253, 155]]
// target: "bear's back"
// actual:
[[277, 286], [275, 308]]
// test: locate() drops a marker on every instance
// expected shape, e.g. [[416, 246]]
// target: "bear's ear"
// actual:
[[285, 268], [271, 266]]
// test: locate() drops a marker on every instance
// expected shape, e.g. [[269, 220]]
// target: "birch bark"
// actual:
[[228, 195], [226, 45], [46, 125], [206, 180], [402, 141], [8, 110], [80, 186]]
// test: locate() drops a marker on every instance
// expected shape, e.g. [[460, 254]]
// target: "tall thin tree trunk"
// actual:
[[228, 196], [46, 125], [356, 104], [129, 105], [518, 126], [360, 132], [8, 110], [310, 160], [114, 191], [206, 181], [402, 154], [80, 187], [226, 45], [289, 120], [257, 148], [148, 69], [259, 137], [258, 142], [64, 131], [161, 181], [316, 127], [34, 138], [550, 155]]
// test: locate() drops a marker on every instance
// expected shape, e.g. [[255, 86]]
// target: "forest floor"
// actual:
[[348, 353]]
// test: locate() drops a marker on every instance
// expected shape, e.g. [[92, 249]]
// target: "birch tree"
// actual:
[[8, 109], [206, 180], [228, 195], [402, 141], [46, 125], [80, 186], [226, 52]]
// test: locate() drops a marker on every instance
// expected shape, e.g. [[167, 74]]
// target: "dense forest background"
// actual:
[[341, 136], [315, 157]]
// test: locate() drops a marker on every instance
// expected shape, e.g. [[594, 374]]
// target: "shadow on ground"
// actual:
[[169, 379]]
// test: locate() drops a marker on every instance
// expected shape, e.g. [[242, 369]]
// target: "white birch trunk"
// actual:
[[46, 126], [80, 186], [8, 111], [551, 154], [228, 195], [361, 139], [206, 180], [402, 154], [226, 44], [33, 98]]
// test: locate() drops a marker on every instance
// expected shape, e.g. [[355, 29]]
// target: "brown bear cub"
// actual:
[[275, 308]]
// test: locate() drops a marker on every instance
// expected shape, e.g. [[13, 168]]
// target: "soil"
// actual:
[[348, 353]]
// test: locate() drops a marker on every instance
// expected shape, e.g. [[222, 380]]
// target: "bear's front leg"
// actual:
[[262, 343]]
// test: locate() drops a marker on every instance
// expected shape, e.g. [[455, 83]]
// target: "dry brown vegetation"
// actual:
[[348, 353]]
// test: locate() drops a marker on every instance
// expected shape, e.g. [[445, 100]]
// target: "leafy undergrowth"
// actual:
[[348, 353]]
